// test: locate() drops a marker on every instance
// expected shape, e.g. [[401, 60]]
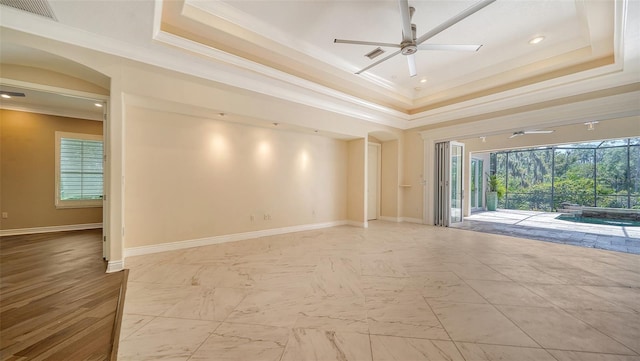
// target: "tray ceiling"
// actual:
[[296, 38]]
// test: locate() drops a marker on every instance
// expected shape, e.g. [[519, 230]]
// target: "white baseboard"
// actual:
[[70, 227], [358, 224], [390, 219], [115, 266], [412, 220], [172, 246]]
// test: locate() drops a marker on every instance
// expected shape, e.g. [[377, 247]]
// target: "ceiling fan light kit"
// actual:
[[410, 43]]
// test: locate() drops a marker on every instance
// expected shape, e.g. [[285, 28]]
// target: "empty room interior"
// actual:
[[320, 180]]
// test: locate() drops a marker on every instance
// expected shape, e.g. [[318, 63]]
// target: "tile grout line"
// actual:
[[445, 330], [497, 309]]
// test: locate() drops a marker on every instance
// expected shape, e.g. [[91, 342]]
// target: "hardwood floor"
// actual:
[[56, 301]]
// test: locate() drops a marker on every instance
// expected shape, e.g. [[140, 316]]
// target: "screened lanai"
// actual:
[[593, 174], [545, 191]]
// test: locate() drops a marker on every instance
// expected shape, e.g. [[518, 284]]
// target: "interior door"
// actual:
[[456, 161], [373, 179]]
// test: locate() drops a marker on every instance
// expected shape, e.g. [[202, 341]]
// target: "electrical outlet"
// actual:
[[5, 215]]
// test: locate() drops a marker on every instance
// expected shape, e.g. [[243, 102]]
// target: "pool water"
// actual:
[[593, 220]]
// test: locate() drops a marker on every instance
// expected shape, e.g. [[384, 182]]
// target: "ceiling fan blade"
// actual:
[[358, 42], [405, 13], [12, 94], [449, 47], [411, 59], [454, 20], [379, 61], [538, 131], [523, 132]]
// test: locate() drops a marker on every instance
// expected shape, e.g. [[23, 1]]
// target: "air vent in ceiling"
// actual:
[[376, 52], [37, 7]]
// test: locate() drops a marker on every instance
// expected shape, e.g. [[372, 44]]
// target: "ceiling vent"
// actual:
[[376, 52], [37, 7]]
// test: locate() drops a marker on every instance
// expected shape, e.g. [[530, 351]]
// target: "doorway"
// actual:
[[449, 192]]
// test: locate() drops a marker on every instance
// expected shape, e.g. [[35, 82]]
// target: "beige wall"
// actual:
[[389, 180], [27, 176], [189, 178], [356, 181], [412, 197]]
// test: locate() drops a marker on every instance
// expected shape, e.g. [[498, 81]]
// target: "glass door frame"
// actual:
[[456, 182], [476, 183]]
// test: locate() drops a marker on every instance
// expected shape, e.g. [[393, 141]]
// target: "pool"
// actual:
[[595, 220]]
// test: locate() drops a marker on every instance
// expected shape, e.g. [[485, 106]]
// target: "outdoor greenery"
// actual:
[[596, 174], [494, 184]]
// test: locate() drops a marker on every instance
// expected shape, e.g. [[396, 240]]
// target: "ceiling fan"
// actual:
[[8, 94], [411, 43], [523, 132]]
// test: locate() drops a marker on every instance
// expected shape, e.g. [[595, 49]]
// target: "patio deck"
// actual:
[[545, 227]]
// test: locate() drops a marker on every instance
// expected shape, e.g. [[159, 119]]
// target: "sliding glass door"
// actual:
[[457, 193], [477, 184]]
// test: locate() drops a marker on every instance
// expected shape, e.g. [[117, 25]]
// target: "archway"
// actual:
[[76, 97]]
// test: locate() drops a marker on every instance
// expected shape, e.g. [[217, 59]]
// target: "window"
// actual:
[[79, 171]]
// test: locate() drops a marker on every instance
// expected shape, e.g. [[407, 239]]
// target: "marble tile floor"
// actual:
[[389, 292], [544, 226]]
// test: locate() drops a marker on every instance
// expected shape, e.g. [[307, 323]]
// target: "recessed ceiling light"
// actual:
[[423, 80], [536, 40], [6, 96], [99, 105]]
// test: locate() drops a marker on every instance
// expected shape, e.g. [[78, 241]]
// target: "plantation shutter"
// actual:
[[81, 172]]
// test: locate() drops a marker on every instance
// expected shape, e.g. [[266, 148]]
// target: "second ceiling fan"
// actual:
[[411, 43]]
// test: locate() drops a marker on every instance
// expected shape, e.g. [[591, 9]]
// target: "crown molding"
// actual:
[[256, 25], [241, 73], [288, 87]]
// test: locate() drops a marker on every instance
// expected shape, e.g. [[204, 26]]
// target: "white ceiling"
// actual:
[[52, 103], [292, 42], [503, 28], [297, 37]]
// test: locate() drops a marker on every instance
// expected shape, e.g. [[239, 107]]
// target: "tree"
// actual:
[[605, 174]]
